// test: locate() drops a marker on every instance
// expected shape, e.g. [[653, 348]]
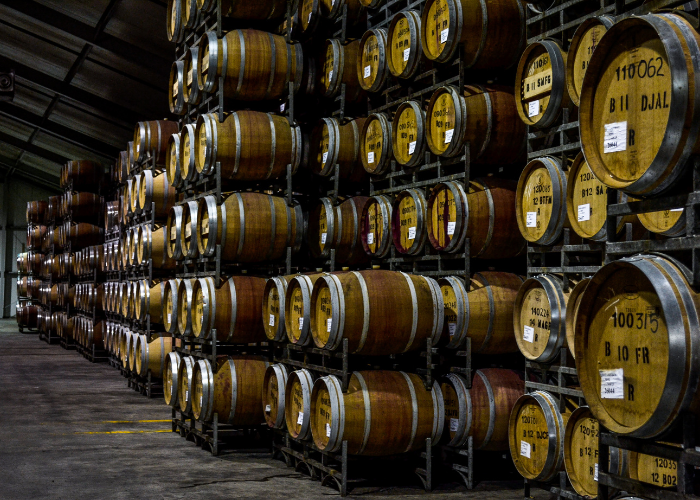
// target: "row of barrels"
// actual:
[[544, 440], [148, 145], [83, 330], [78, 235], [139, 245], [81, 262], [138, 353], [553, 195], [147, 191], [79, 205], [253, 146], [622, 107]]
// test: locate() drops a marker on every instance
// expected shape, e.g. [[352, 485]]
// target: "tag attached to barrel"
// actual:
[[328, 429], [528, 333], [531, 219], [525, 449], [615, 137], [611, 384], [300, 418]]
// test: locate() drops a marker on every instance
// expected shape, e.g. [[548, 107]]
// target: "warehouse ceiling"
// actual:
[[86, 72]]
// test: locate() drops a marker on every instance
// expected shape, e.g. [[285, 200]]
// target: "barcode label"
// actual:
[[325, 157], [411, 147], [329, 324], [615, 137], [528, 334], [531, 219], [323, 238], [451, 228], [370, 157], [411, 233], [443, 35], [611, 384], [533, 108], [525, 449], [300, 418], [368, 71], [452, 327], [301, 323], [272, 320], [448, 135], [406, 53], [370, 238], [328, 429], [584, 212], [454, 424]]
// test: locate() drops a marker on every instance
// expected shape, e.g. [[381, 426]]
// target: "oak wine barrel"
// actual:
[[297, 404], [273, 396], [234, 391], [273, 307], [255, 65], [662, 472], [338, 228], [361, 416], [155, 189], [174, 25], [639, 142], [405, 310], [172, 162], [372, 68], [405, 50], [81, 175], [191, 93], [297, 308], [482, 311], [334, 142], [492, 34], [672, 222], [188, 232], [173, 232], [540, 205], [170, 378], [176, 89], [169, 304], [408, 134], [571, 311], [539, 318], [408, 226], [376, 151], [188, 145], [634, 322], [150, 356], [36, 212], [483, 411], [27, 316], [185, 386], [583, 43], [338, 67], [375, 226]]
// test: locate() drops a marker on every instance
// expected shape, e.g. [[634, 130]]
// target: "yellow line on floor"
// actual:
[[109, 422], [123, 432]]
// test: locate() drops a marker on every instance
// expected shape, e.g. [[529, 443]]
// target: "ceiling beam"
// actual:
[[33, 148], [128, 51], [34, 175], [62, 132]]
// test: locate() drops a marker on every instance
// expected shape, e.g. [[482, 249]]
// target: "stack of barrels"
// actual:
[[29, 266], [631, 320]]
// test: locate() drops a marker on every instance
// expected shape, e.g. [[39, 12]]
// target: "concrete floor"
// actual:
[[72, 429]]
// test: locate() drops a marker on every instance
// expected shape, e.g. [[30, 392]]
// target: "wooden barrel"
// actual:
[[483, 312], [333, 142], [408, 134], [492, 34], [338, 228], [239, 56], [192, 95], [273, 400], [571, 312], [170, 305], [540, 84], [586, 201], [372, 68], [248, 145], [36, 211], [273, 307], [185, 386], [188, 232], [81, 205], [36, 235], [297, 308], [662, 472], [83, 235], [633, 323], [338, 67], [376, 151], [151, 139], [248, 11], [539, 318], [375, 226], [170, 380], [405, 50], [672, 222], [52, 208], [483, 411], [174, 26], [154, 246], [234, 390], [250, 227], [484, 214], [176, 89], [234, 309], [27, 316], [313, 14], [172, 162], [297, 411], [183, 306], [173, 231], [536, 436], [188, 140], [581, 454], [642, 151], [540, 205], [583, 43], [408, 226], [82, 175], [360, 416], [154, 301], [342, 304], [150, 356], [484, 117], [155, 189]]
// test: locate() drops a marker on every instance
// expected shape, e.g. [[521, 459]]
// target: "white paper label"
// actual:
[[323, 238], [406, 53], [615, 138], [595, 472], [309, 18], [584, 212], [448, 135], [525, 449], [411, 233], [329, 323], [531, 219], [528, 333], [187, 395], [443, 35], [283, 107], [411, 147], [330, 75], [325, 157], [272, 320], [454, 424], [268, 409], [328, 429], [301, 323], [452, 327], [368, 71], [370, 157], [677, 209], [170, 315], [611, 384], [451, 228], [533, 108], [370, 238], [201, 399], [300, 418]]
